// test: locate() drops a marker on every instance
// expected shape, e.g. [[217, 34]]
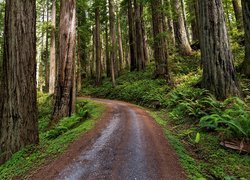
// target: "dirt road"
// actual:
[[126, 144]]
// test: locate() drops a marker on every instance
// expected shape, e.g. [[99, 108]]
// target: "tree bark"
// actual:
[[98, 45], [79, 67], [144, 37], [160, 44], [184, 14], [108, 69], [120, 44], [170, 23], [140, 64], [47, 68], [193, 10], [18, 108], [113, 41], [52, 77], [65, 88], [181, 37], [238, 14], [41, 78], [246, 17], [219, 75], [132, 44]]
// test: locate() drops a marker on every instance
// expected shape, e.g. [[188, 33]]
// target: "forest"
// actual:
[[125, 89]]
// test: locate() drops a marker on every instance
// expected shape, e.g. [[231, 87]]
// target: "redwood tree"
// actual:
[[65, 85], [52, 77], [246, 17], [238, 13], [160, 43], [219, 75], [132, 44], [140, 64], [113, 58], [181, 36], [18, 108], [98, 48]]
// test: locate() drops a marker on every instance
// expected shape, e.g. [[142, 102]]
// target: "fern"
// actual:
[[234, 121]]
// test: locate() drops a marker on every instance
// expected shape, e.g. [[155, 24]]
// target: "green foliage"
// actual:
[[52, 141], [137, 87], [68, 123], [206, 159], [197, 138], [184, 65], [44, 110], [188, 102], [230, 117], [233, 121]]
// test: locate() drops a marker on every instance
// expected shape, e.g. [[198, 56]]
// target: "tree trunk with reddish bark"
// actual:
[[65, 85], [18, 108]]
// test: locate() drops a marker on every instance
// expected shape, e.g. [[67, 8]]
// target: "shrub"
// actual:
[[230, 117], [69, 123]]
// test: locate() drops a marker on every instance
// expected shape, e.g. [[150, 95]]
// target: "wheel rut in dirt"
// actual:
[[125, 144]]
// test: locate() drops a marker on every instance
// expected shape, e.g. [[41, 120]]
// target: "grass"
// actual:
[[52, 141]]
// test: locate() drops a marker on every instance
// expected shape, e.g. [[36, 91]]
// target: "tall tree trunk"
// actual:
[[140, 64], [246, 16], [181, 37], [238, 14], [18, 108], [47, 69], [219, 75], [193, 10], [41, 78], [185, 18], [98, 45], [160, 44], [131, 37], [144, 37], [79, 74], [113, 40], [65, 88], [92, 60], [120, 44], [52, 77], [108, 69], [170, 23]]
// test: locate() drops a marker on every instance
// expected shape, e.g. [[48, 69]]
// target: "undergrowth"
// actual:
[[52, 141]]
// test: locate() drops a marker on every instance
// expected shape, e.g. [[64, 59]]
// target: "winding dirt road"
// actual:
[[126, 144]]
